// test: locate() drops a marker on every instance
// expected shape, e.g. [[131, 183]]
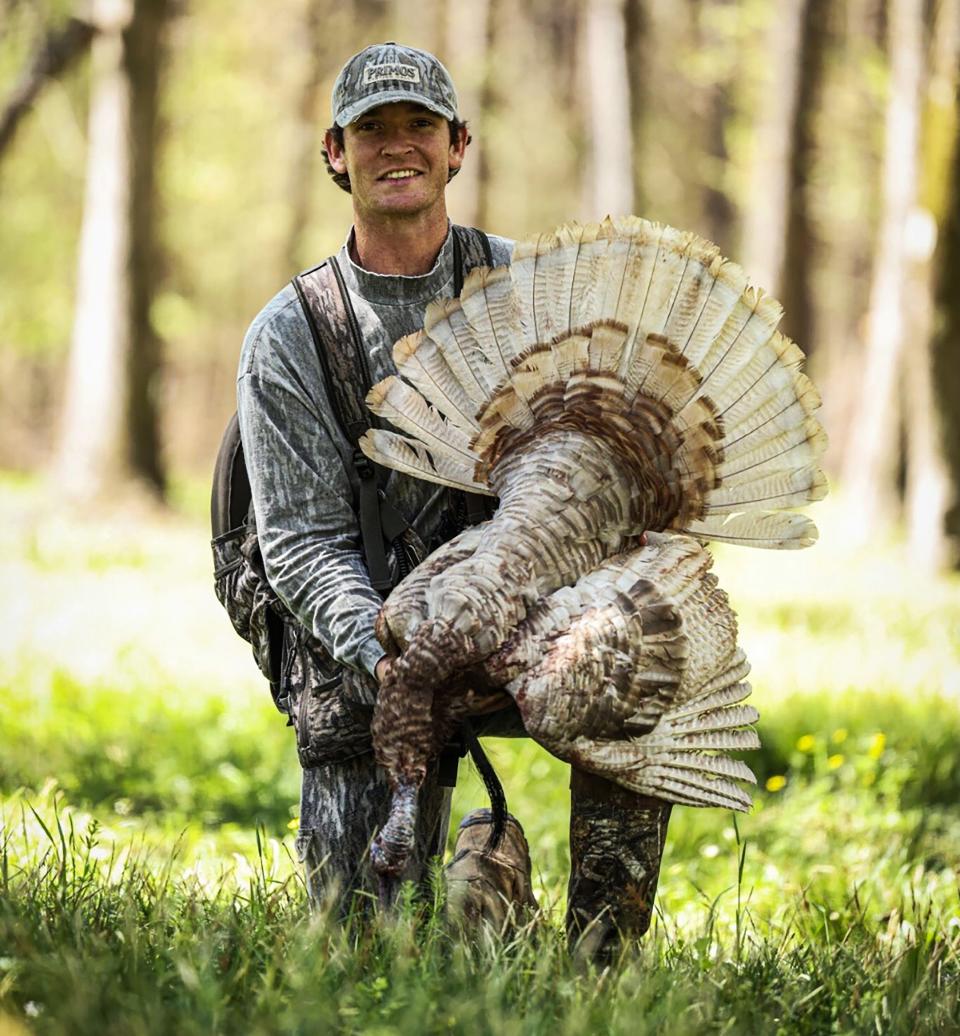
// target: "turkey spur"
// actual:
[[616, 378]]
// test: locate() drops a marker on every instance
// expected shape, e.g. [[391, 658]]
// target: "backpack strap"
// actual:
[[345, 368], [346, 373], [471, 247]]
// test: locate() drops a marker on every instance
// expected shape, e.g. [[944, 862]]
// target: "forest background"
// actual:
[[161, 176]]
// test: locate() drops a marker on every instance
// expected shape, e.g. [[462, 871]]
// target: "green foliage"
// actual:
[[148, 795], [96, 937]]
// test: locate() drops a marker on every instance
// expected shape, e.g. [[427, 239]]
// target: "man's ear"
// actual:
[[458, 147], [335, 153]]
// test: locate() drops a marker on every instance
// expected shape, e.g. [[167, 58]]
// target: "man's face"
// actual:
[[398, 158]]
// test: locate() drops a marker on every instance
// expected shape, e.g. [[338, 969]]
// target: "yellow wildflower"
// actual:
[[835, 761], [877, 745], [776, 783], [806, 743], [294, 824], [839, 736]]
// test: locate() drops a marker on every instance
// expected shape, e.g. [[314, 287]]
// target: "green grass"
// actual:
[[148, 796]]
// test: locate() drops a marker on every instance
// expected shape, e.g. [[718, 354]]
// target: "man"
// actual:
[[395, 143]]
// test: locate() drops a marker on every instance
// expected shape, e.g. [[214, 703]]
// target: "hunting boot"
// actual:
[[493, 887], [616, 844]]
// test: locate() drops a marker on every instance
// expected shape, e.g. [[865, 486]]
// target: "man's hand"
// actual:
[[382, 668]]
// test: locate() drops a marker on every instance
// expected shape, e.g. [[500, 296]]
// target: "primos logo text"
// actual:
[[377, 73]]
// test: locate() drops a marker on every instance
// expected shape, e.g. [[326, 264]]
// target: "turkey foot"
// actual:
[[393, 844]]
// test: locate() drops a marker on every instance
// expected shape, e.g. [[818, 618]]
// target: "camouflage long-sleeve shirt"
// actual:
[[300, 464]]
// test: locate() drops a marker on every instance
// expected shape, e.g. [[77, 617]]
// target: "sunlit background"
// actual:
[[161, 176]]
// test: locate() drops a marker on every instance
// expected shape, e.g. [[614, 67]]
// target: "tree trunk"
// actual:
[[91, 454], [470, 42], [610, 178], [946, 350], [800, 242], [714, 110], [930, 376], [110, 423], [637, 24], [306, 130], [144, 41], [871, 461], [768, 205]]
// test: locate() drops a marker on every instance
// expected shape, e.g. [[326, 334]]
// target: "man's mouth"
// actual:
[[401, 174]]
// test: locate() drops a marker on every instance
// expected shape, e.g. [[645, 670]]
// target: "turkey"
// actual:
[[616, 379]]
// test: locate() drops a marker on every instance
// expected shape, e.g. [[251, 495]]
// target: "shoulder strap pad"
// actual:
[[326, 305], [471, 247]]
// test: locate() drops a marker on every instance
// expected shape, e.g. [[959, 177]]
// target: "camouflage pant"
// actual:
[[616, 844], [342, 805]]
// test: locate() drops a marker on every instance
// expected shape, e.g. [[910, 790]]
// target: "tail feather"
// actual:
[[490, 306], [774, 530], [446, 326], [423, 364], [699, 791], [405, 408], [687, 778], [790, 488], [412, 458]]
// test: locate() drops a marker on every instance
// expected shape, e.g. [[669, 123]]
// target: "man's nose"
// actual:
[[397, 143]]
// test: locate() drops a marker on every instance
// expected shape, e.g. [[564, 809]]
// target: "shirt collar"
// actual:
[[397, 289]]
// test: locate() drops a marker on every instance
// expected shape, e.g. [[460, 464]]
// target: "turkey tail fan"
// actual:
[[636, 334]]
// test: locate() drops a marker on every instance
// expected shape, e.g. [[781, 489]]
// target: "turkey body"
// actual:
[[615, 379]]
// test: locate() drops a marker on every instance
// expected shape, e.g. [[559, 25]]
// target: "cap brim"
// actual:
[[355, 110]]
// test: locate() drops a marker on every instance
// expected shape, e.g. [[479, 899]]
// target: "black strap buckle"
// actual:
[[363, 465]]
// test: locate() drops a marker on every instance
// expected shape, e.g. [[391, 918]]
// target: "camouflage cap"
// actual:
[[387, 73]]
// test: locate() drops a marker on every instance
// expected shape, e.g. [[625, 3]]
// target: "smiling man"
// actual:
[[335, 534], [395, 143]]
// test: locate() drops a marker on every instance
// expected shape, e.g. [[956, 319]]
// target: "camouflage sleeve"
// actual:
[[308, 530]]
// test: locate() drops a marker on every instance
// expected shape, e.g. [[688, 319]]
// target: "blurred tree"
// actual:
[[609, 184], [143, 55], [929, 377], [766, 212], [946, 346], [60, 46], [109, 429], [419, 23], [709, 19], [800, 241], [871, 460], [470, 47], [637, 26], [307, 127]]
